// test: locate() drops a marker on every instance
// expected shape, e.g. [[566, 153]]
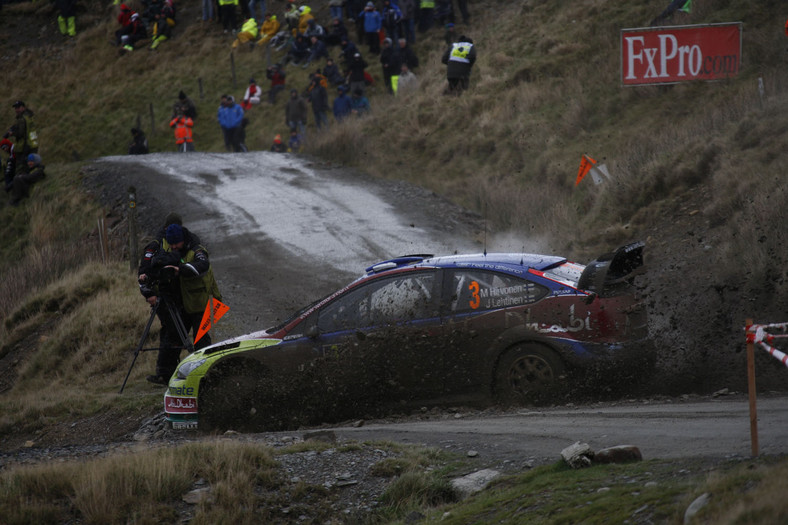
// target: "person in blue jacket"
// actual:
[[372, 25], [231, 117], [342, 104]]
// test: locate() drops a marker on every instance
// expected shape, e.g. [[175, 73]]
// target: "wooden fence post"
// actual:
[[152, 121], [133, 228], [232, 67], [751, 390], [103, 240]]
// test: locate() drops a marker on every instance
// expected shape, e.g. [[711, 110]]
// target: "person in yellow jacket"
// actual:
[[183, 132], [66, 20], [227, 12], [269, 28], [248, 32], [303, 19]]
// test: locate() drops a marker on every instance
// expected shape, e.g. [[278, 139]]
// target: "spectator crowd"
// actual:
[[343, 54]]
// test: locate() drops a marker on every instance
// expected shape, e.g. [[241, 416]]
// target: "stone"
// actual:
[[694, 507], [473, 482], [618, 454], [578, 455], [193, 497], [326, 436]]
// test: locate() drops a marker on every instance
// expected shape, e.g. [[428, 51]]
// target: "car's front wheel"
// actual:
[[529, 373], [233, 396]]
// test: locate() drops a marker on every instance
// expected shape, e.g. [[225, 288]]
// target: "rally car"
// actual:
[[502, 326]]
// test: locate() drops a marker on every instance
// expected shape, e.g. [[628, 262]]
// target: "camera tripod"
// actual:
[[179, 327]]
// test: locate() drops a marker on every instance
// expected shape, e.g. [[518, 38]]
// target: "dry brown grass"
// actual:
[[142, 487]]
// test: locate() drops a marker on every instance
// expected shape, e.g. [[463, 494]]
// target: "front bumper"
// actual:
[[180, 411]]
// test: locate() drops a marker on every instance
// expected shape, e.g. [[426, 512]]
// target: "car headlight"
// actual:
[[187, 368]]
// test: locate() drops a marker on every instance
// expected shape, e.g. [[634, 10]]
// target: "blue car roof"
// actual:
[[500, 261]]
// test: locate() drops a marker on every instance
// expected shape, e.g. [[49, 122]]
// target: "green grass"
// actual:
[[243, 483]]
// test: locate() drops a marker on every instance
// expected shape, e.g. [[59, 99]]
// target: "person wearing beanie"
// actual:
[[22, 182], [231, 119], [184, 105], [342, 106], [132, 33], [459, 59], [373, 23], [278, 146], [296, 113], [252, 95], [182, 125], [175, 277], [24, 132], [390, 61], [277, 77]]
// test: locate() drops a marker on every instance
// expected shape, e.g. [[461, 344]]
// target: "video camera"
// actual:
[[159, 273]]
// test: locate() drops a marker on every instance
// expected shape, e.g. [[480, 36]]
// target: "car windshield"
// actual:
[[294, 316], [568, 273]]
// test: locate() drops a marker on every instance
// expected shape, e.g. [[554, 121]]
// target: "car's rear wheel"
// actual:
[[233, 395], [529, 373]]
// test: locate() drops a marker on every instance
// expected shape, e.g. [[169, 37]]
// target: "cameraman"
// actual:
[[175, 269]]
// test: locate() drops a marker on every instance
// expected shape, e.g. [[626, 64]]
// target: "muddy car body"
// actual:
[[422, 328]]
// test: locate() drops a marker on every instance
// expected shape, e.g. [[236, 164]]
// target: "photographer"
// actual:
[[175, 270]]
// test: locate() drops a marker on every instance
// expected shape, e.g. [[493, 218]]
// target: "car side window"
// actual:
[[383, 301], [475, 290]]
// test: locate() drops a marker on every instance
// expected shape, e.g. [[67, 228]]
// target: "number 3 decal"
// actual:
[[475, 299]]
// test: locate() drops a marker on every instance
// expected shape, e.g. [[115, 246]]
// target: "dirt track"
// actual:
[[283, 231], [263, 279]]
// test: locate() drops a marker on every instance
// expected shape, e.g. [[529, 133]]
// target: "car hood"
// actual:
[[260, 338]]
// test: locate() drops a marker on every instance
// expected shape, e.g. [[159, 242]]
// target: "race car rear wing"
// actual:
[[613, 268]]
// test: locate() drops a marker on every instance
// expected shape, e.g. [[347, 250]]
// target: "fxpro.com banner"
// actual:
[[667, 55]]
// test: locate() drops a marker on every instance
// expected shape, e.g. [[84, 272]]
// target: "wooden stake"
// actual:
[[751, 390], [132, 228]]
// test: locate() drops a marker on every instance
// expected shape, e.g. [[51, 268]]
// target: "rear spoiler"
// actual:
[[613, 268]]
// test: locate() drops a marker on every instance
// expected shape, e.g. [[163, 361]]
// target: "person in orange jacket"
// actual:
[[183, 132]]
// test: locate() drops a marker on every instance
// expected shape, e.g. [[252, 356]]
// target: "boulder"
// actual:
[[618, 454], [473, 482], [578, 455]]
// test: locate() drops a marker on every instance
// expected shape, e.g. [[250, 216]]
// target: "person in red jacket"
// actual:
[[132, 33], [252, 95], [10, 167], [183, 132]]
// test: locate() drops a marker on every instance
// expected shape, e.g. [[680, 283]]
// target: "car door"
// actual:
[[380, 332], [478, 307]]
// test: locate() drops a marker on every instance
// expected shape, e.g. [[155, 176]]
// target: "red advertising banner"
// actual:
[[667, 55]]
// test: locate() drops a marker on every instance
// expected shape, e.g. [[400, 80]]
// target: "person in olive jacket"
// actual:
[[176, 270]]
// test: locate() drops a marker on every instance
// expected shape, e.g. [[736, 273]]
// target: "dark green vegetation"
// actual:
[[225, 481], [698, 173]]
